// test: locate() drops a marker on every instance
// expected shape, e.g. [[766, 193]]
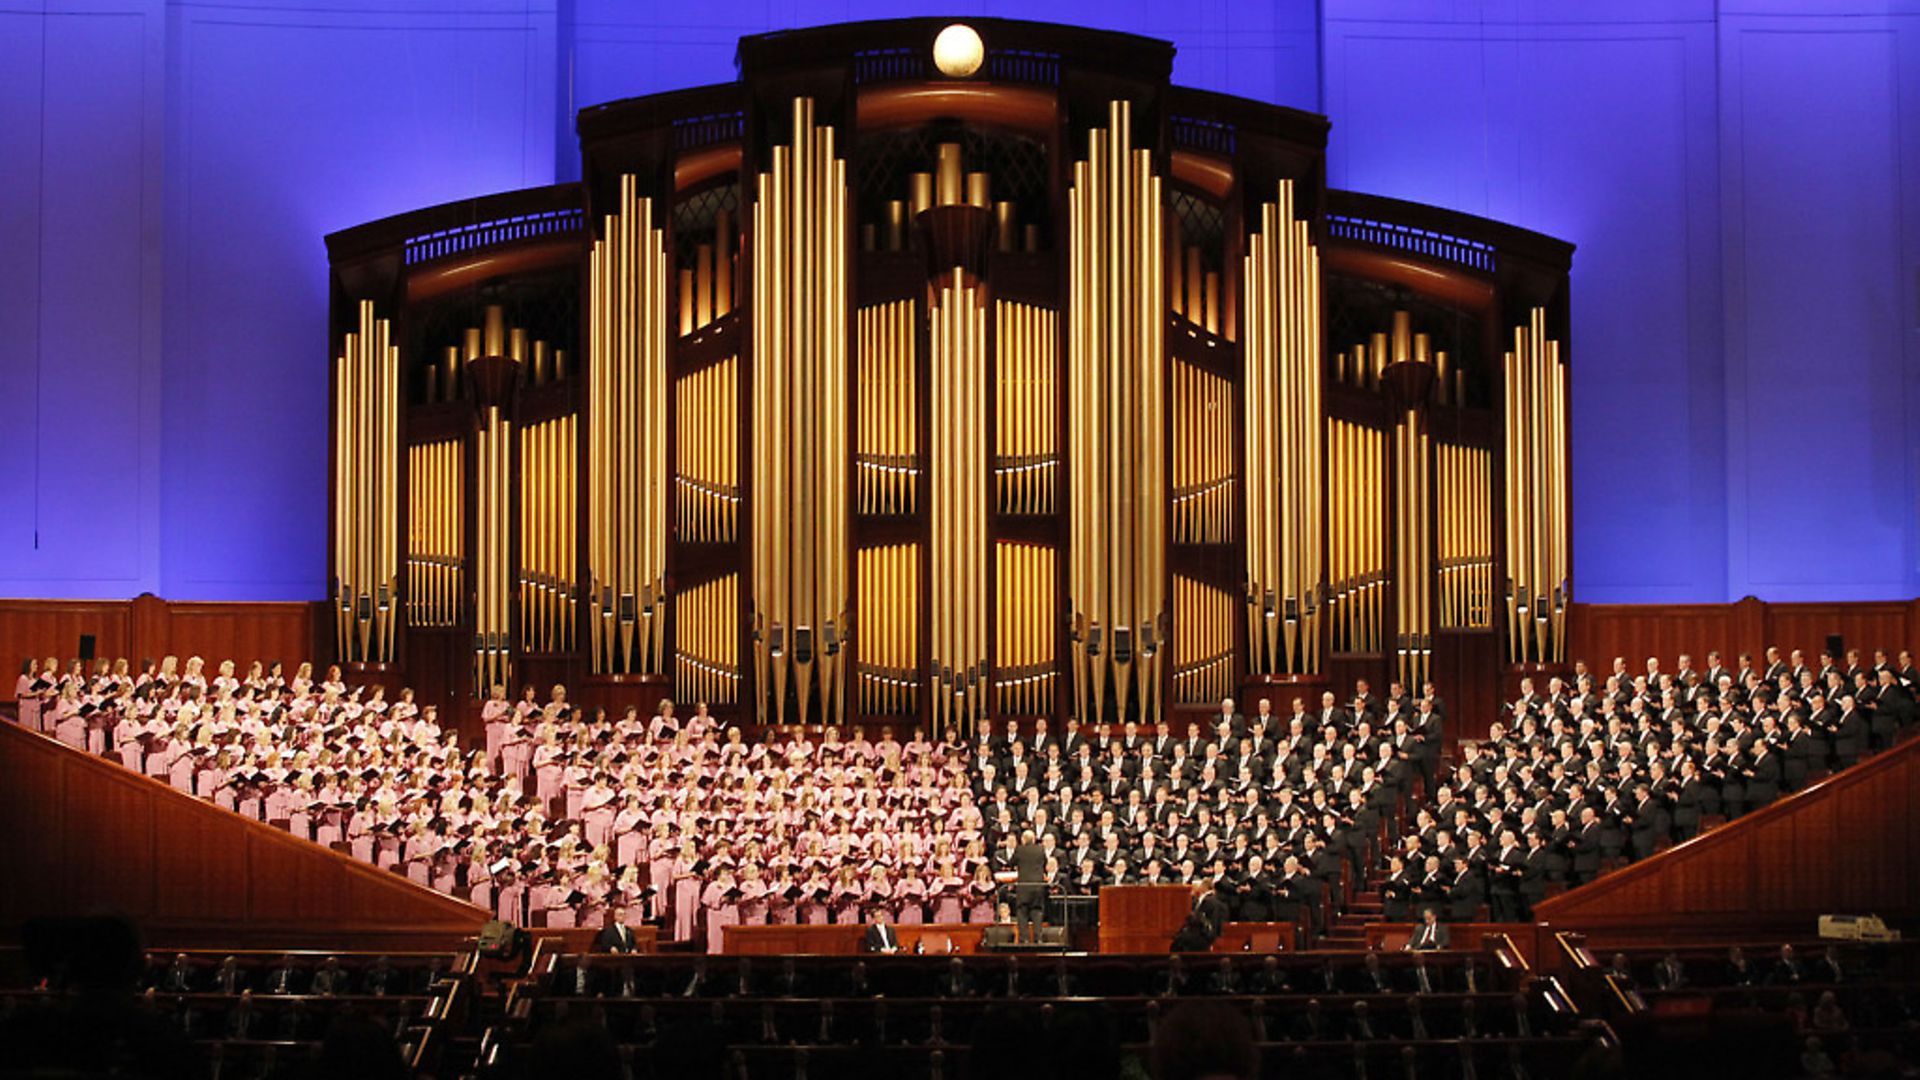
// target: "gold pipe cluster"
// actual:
[[949, 184], [958, 518], [1202, 456], [889, 629], [707, 642], [1202, 642], [366, 490], [1193, 289], [1466, 537], [1026, 426], [492, 652], [541, 363], [1356, 536], [707, 431], [1413, 578], [547, 535], [627, 438], [1284, 420], [1536, 494], [706, 287], [435, 519], [1117, 423], [888, 456], [799, 399], [1024, 634]]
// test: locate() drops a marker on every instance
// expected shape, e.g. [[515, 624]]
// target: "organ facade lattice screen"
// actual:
[[854, 392]]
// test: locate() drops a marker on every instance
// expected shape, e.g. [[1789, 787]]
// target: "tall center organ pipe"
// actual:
[[958, 515], [366, 487], [1117, 419], [799, 429], [1283, 422], [627, 438]]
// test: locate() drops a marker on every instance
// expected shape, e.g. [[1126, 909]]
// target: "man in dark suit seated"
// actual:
[[880, 936], [1431, 935], [956, 981], [615, 937]]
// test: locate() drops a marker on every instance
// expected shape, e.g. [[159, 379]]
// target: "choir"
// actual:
[[567, 817]]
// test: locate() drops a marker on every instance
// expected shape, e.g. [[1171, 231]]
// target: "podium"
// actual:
[[1142, 918]]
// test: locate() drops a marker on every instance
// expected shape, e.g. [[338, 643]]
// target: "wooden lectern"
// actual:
[[1142, 918]]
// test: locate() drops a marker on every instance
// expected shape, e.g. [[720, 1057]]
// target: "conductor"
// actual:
[[1030, 888]]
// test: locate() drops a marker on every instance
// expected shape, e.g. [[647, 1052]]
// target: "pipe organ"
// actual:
[[1202, 643], [1282, 433], [707, 433], [366, 490], [1357, 537], [1025, 675], [1026, 461], [547, 604], [434, 514], [1203, 430], [1413, 569], [959, 504], [627, 438], [1051, 389], [492, 656], [889, 668], [707, 652], [799, 375], [888, 456], [1535, 418], [1465, 520], [1115, 351]]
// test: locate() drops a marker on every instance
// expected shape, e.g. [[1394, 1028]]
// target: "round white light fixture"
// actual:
[[958, 52]]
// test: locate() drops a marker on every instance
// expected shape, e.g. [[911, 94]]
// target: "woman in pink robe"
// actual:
[[660, 850], [26, 695], [981, 895], [723, 908], [69, 726], [686, 892], [948, 889], [495, 714]]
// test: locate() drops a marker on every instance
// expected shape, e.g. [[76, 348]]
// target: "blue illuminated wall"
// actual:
[[1742, 179]]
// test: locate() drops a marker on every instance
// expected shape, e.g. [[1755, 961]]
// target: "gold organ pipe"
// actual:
[[723, 253], [950, 188], [979, 190]]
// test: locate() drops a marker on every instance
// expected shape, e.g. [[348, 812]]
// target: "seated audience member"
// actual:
[[1431, 935]]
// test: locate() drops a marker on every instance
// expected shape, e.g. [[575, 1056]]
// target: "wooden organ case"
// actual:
[[879, 387]]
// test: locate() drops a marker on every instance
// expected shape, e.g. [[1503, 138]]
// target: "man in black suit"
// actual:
[[1204, 919], [880, 937], [1030, 888], [1431, 935], [616, 937]]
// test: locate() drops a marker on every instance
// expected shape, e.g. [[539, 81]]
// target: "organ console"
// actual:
[[948, 393]]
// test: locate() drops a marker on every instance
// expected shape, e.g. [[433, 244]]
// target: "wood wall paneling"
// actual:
[[79, 833], [1843, 846]]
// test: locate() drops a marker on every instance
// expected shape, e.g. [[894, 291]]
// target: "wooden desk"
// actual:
[[1142, 918], [845, 940]]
